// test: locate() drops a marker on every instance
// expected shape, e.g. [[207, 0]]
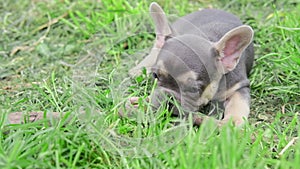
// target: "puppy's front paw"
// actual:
[[130, 107], [199, 120], [238, 122]]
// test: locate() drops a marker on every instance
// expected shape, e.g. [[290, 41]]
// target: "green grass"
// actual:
[[80, 62]]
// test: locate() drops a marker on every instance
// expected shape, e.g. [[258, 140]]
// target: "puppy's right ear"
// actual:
[[231, 47], [162, 28]]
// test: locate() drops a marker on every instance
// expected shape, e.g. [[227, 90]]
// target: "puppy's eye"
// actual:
[[155, 76]]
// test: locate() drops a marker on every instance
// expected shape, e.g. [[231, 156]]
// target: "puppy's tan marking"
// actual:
[[237, 108], [210, 91], [222, 96]]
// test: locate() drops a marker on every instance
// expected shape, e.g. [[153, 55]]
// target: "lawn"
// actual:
[[74, 57]]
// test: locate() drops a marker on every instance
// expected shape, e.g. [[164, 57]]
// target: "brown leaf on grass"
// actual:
[[19, 86], [7, 88], [19, 117]]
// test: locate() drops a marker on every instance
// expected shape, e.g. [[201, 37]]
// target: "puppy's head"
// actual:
[[189, 68], [183, 71]]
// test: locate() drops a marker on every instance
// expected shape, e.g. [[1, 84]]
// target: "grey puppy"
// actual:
[[204, 56]]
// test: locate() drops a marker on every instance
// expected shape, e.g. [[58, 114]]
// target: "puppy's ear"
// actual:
[[162, 28], [231, 46]]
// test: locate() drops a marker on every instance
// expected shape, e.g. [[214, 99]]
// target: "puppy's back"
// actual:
[[211, 24]]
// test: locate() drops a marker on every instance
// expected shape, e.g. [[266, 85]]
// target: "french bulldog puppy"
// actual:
[[202, 57]]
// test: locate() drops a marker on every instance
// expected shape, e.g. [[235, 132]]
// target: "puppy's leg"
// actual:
[[130, 106], [237, 107]]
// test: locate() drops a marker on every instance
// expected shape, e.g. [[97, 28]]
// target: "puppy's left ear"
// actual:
[[231, 46]]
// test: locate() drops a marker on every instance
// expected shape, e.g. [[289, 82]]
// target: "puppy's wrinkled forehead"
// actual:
[[185, 57]]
